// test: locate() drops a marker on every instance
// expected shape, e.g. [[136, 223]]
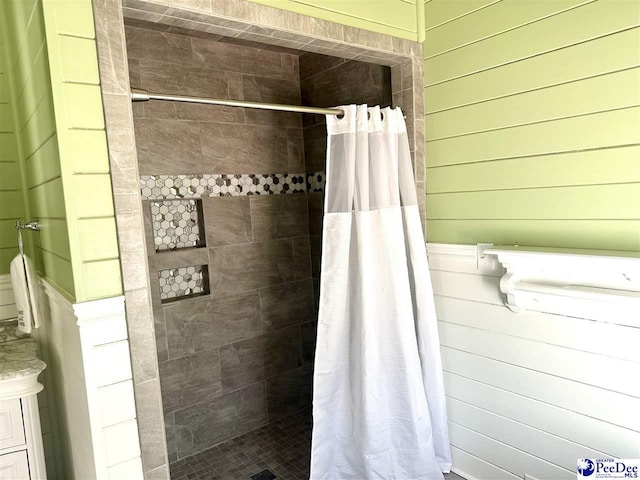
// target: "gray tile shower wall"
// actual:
[[228, 359], [200, 426], [174, 138], [251, 330], [329, 81], [199, 325]]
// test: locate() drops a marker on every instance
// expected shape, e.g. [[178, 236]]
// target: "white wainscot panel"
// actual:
[[528, 393], [573, 426], [94, 385]]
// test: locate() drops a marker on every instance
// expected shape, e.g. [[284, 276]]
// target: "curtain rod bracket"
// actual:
[[139, 95]]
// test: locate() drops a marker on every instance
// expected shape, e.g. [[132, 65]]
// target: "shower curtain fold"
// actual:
[[378, 407]]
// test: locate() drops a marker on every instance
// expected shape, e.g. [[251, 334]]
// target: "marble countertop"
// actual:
[[18, 359]]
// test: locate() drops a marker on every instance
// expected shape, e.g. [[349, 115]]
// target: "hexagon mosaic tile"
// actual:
[[177, 283], [316, 181], [228, 185], [176, 224]]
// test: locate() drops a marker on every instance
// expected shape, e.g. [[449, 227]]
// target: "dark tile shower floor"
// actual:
[[280, 450], [282, 447]]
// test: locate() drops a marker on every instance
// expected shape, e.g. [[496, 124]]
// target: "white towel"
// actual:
[[25, 290]]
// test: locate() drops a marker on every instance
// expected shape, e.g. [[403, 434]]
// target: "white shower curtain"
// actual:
[[378, 400]]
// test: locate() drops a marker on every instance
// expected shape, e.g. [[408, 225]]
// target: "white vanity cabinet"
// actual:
[[21, 450]]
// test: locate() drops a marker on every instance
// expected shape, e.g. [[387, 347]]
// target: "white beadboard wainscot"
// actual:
[[529, 393], [91, 379]]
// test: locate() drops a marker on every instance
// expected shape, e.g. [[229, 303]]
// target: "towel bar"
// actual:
[[27, 226], [35, 226]]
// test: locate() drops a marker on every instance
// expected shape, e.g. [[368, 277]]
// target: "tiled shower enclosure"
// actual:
[[208, 140], [233, 205]]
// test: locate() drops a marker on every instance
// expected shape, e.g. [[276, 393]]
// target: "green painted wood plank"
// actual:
[[6, 255], [83, 106], [587, 22], [437, 12], [584, 60], [44, 164], [98, 239], [620, 202], [499, 17], [54, 237], [590, 234], [36, 87], [4, 88], [606, 92], [9, 176], [82, 66], [102, 279], [27, 49], [17, 13], [8, 237], [8, 147], [57, 271], [391, 17], [87, 151], [73, 17], [38, 128], [11, 204], [47, 200], [93, 196], [615, 165], [6, 118], [579, 133]]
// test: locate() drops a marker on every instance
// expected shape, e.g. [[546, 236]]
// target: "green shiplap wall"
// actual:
[[11, 203], [390, 17], [533, 122], [56, 147], [37, 164], [84, 160]]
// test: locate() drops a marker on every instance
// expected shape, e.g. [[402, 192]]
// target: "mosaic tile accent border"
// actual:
[[181, 282], [176, 224], [316, 181], [170, 187], [220, 185]]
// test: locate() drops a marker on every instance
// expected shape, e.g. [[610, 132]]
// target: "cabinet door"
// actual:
[[14, 466], [11, 428]]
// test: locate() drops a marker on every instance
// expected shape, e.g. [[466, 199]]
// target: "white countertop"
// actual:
[[18, 359]]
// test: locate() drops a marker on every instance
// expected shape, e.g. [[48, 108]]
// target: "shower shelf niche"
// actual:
[[183, 282], [177, 224]]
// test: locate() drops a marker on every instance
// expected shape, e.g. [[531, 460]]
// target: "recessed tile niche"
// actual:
[[181, 282], [177, 224]]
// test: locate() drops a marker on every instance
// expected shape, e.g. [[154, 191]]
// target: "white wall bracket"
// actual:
[[595, 284]]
